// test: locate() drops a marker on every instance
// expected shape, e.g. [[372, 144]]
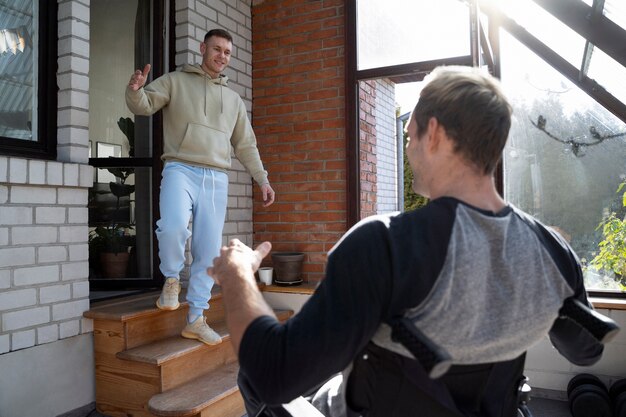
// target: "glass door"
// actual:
[[121, 201]]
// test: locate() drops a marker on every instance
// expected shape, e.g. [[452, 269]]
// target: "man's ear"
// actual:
[[433, 133], [202, 47]]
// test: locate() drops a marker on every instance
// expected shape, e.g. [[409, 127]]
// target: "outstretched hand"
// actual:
[[238, 261], [138, 79]]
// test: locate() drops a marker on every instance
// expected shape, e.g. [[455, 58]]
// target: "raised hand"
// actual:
[[138, 79]]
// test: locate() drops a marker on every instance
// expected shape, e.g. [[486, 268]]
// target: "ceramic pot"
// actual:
[[287, 267]]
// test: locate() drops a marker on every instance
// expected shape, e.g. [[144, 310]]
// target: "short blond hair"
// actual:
[[471, 106]]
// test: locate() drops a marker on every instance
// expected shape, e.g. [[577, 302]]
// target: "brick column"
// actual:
[[298, 116]]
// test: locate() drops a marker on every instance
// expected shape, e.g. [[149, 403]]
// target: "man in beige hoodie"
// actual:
[[202, 119]]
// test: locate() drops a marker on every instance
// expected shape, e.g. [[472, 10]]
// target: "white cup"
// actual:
[[265, 275]]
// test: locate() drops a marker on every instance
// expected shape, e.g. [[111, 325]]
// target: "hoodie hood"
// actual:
[[197, 69], [222, 81]]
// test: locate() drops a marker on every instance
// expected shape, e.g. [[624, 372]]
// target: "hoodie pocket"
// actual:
[[205, 145]]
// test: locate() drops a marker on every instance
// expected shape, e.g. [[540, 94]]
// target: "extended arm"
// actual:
[[284, 360], [146, 101], [234, 270]]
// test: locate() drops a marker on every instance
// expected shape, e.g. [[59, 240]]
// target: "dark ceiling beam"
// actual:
[[486, 49], [588, 85], [595, 27], [597, 7], [474, 36]]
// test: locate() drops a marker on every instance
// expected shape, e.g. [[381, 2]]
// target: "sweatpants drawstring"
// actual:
[[213, 190], [204, 171]]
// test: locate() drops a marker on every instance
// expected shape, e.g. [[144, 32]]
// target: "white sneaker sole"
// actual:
[[190, 335], [168, 308]]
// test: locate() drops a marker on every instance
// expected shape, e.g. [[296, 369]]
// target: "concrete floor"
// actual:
[[540, 407]]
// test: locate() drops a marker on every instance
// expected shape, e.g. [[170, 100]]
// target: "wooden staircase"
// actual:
[[144, 368]]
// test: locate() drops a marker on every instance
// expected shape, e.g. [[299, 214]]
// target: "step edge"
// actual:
[[163, 359], [193, 409], [101, 313]]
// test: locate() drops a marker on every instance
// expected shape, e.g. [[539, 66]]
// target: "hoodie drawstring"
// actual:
[[206, 81]]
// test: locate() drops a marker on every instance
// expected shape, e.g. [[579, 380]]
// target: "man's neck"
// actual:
[[211, 74], [470, 187]]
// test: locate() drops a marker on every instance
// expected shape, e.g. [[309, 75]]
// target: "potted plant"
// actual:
[[611, 257], [111, 243]]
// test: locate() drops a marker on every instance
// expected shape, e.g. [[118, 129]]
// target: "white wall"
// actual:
[[48, 380], [548, 370], [386, 151]]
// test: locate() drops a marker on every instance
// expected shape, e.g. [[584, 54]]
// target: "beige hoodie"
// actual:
[[202, 118]]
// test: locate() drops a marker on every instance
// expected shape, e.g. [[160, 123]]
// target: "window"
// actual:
[[397, 32], [563, 70], [564, 159], [28, 37]]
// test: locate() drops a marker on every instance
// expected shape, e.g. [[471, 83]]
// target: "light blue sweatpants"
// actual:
[[187, 191]]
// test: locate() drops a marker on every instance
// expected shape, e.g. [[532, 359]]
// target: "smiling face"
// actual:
[[215, 55]]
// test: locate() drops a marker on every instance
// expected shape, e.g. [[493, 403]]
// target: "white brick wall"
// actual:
[[44, 286], [386, 174], [193, 19]]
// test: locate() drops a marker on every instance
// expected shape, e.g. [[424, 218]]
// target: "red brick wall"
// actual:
[[367, 147], [298, 116]]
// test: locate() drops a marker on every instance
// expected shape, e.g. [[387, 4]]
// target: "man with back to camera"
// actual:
[[202, 118], [475, 275]]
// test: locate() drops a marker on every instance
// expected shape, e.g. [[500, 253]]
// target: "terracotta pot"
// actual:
[[287, 267], [114, 265]]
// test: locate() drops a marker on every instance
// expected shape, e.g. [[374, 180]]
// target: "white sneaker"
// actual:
[[169, 295], [201, 331]]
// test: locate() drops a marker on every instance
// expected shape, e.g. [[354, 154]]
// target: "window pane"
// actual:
[[609, 73], [113, 55], [548, 29], [616, 11], [18, 81], [115, 199], [393, 32], [566, 174]]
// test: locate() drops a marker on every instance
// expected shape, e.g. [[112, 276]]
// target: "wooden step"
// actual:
[[138, 321], [180, 360], [215, 394], [172, 348], [139, 353]]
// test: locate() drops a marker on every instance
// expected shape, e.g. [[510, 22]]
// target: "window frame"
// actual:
[[45, 147]]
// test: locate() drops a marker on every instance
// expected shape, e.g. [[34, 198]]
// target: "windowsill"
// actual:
[[307, 288], [608, 303]]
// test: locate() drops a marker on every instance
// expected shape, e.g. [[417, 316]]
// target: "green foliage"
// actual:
[[110, 238], [412, 200], [612, 255]]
